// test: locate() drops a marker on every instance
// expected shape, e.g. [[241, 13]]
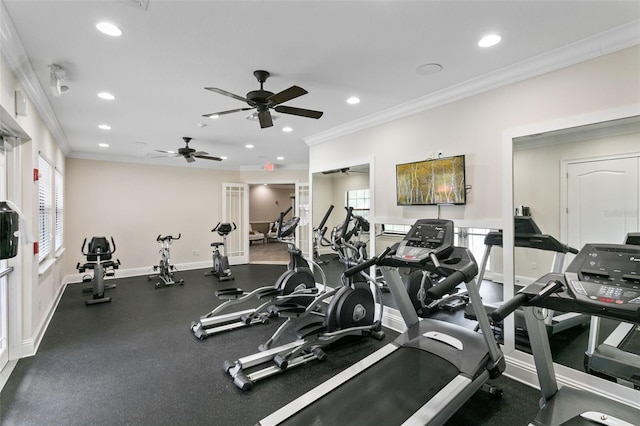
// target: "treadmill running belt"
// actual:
[[386, 393], [632, 343]]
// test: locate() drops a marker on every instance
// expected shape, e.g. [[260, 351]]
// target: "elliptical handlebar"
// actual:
[[280, 219], [368, 263], [321, 227], [346, 222]]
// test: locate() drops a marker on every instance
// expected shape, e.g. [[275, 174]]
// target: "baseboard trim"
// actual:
[[135, 272], [30, 346]]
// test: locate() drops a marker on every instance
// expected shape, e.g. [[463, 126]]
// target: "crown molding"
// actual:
[[13, 51], [592, 47]]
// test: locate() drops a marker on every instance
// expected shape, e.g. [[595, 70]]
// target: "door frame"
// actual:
[[241, 219]]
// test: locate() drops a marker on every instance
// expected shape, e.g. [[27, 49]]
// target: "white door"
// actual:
[[303, 211], [602, 200], [4, 306], [235, 209]]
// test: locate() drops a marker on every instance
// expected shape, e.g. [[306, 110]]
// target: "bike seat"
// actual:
[[229, 293]]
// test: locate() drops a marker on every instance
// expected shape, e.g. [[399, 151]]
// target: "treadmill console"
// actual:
[[606, 277], [426, 236]]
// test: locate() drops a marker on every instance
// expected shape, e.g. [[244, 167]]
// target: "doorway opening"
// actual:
[[266, 202]]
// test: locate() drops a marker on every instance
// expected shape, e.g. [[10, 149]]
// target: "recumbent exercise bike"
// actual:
[[99, 260]]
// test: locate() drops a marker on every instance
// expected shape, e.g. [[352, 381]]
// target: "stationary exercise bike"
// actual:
[[165, 268], [99, 260], [221, 267], [297, 285]]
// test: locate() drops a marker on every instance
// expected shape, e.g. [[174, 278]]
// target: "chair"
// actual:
[[255, 236]]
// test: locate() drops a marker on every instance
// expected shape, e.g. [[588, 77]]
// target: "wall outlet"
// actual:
[[196, 253], [534, 265], [431, 154]]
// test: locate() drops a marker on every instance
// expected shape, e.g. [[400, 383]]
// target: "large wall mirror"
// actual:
[[346, 185], [580, 185]]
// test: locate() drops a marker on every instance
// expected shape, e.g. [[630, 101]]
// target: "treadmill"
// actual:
[[527, 234], [617, 358], [432, 368], [603, 280]]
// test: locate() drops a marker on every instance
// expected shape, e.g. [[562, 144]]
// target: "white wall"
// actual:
[[134, 203], [475, 126], [38, 291], [266, 202]]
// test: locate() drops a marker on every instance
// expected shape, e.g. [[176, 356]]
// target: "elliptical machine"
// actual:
[[99, 260], [352, 310], [297, 285], [221, 267], [165, 268]]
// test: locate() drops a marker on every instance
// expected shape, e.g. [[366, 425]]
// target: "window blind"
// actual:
[[44, 202], [59, 201]]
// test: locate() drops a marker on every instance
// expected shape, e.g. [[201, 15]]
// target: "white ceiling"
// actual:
[[171, 50]]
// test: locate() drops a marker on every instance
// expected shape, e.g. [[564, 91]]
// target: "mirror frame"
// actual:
[[522, 363]]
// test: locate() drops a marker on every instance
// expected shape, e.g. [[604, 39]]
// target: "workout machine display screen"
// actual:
[[425, 237], [607, 275]]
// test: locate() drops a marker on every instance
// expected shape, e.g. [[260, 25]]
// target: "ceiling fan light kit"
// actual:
[[263, 101]]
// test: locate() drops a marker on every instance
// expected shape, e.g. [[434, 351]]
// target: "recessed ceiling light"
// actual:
[[104, 126], [109, 29], [103, 145], [248, 146], [107, 96], [428, 69], [489, 40], [287, 129], [214, 116], [353, 100], [280, 158]]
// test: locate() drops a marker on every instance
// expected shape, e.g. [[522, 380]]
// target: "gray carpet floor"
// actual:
[[134, 361]]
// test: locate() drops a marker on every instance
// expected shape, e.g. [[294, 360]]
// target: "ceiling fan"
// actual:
[[344, 170], [263, 100], [190, 154]]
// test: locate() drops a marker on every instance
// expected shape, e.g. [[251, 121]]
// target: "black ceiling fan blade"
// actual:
[[226, 112], [225, 93], [207, 157], [189, 158], [299, 111], [199, 153], [286, 95], [265, 118]]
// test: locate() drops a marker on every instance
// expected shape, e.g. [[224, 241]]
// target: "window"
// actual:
[[359, 200], [44, 201], [58, 220], [395, 229]]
